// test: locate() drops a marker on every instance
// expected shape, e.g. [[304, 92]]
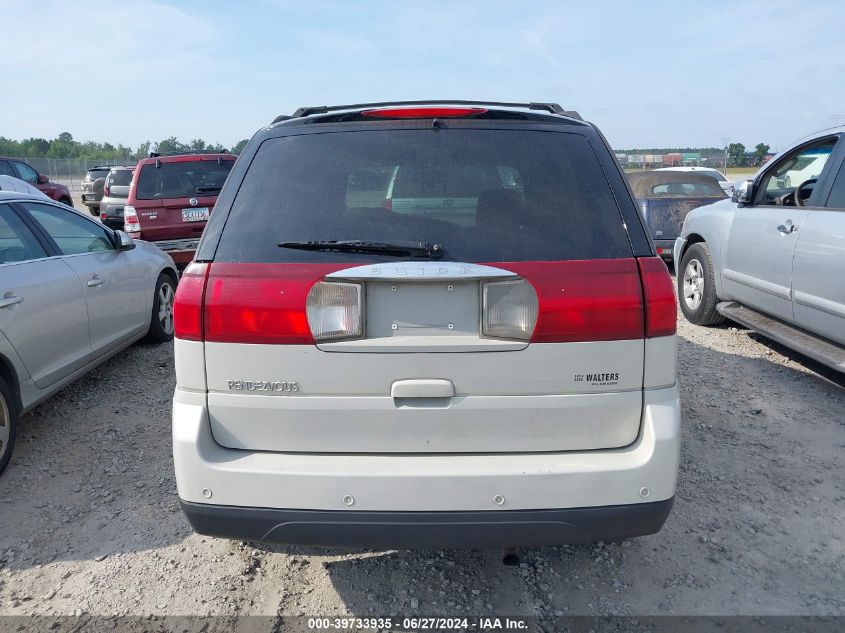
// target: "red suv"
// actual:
[[19, 169], [171, 198]]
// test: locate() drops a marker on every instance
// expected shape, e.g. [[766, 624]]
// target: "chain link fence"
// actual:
[[69, 171]]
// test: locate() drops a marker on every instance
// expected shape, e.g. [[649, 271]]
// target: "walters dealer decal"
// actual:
[[606, 379]]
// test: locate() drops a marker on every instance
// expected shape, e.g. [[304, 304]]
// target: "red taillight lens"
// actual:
[[105, 190], [261, 303], [596, 300], [187, 305], [131, 224], [422, 113], [661, 315]]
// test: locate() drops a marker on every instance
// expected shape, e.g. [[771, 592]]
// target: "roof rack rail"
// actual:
[[554, 108], [188, 152]]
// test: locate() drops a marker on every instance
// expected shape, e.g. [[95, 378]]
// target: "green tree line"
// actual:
[[64, 146]]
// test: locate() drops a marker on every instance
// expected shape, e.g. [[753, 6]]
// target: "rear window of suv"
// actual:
[[94, 174], [183, 179], [120, 178], [483, 195]]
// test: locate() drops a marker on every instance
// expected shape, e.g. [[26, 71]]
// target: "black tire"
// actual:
[[95, 211], [8, 424], [66, 201], [699, 302], [161, 321]]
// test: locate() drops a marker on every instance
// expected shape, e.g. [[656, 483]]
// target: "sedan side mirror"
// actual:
[[124, 241], [743, 193], [42, 179]]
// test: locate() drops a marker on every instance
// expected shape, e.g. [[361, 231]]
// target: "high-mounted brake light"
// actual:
[[422, 113]]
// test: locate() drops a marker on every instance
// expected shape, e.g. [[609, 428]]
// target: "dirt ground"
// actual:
[[89, 521]]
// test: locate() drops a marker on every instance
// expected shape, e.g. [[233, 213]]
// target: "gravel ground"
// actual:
[[90, 521]]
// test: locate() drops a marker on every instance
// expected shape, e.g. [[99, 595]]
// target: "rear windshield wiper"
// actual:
[[204, 188], [396, 249]]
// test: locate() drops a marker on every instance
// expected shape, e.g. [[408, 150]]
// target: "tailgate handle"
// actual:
[[422, 388]]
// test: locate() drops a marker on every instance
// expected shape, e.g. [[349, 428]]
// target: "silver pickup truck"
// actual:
[[773, 257]]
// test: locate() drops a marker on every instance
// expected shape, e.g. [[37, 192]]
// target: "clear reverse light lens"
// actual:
[[509, 309], [334, 311]]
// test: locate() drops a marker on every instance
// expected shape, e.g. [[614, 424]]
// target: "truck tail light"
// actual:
[[509, 309], [661, 315], [106, 189], [334, 311], [187, 304], [130, 220]]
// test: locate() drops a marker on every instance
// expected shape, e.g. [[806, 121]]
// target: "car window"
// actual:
[[72, 233], [119, 178], [6, 169], [182, 179], [484, 195], [796, 168], [94, 174], [836, 199], [17, 242], [698, 189], [25, 172]]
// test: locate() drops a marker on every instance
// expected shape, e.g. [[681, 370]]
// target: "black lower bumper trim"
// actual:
[[415, 530]]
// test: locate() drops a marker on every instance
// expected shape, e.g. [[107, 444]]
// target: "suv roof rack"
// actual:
[[188, 152], [554, 108]]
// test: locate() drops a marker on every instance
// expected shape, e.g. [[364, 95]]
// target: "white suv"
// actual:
[[491, 365]]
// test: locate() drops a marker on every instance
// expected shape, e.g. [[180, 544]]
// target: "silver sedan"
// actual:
[[73, 293]]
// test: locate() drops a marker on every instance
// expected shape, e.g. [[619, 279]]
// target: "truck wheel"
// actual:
[[161, 321], [8, 424], [696, 286], [66, 201]]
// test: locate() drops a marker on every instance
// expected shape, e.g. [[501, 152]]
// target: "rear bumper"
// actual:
[[249, 494], [181, 251], [420, 530]]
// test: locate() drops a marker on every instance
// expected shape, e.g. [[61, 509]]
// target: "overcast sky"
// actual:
[[650, 74]]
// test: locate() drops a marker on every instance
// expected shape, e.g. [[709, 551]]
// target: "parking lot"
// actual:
[[90, 521]]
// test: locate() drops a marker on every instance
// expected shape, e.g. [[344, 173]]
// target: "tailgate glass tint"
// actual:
[[485, 195], [181, 179]]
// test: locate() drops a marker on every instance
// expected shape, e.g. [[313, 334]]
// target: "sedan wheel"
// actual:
[[5, 428], [161, 319], [693, 284], [8, 420], [165, 307]]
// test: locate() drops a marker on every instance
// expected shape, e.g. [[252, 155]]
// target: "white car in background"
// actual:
[[726, 185], [10, 183]]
